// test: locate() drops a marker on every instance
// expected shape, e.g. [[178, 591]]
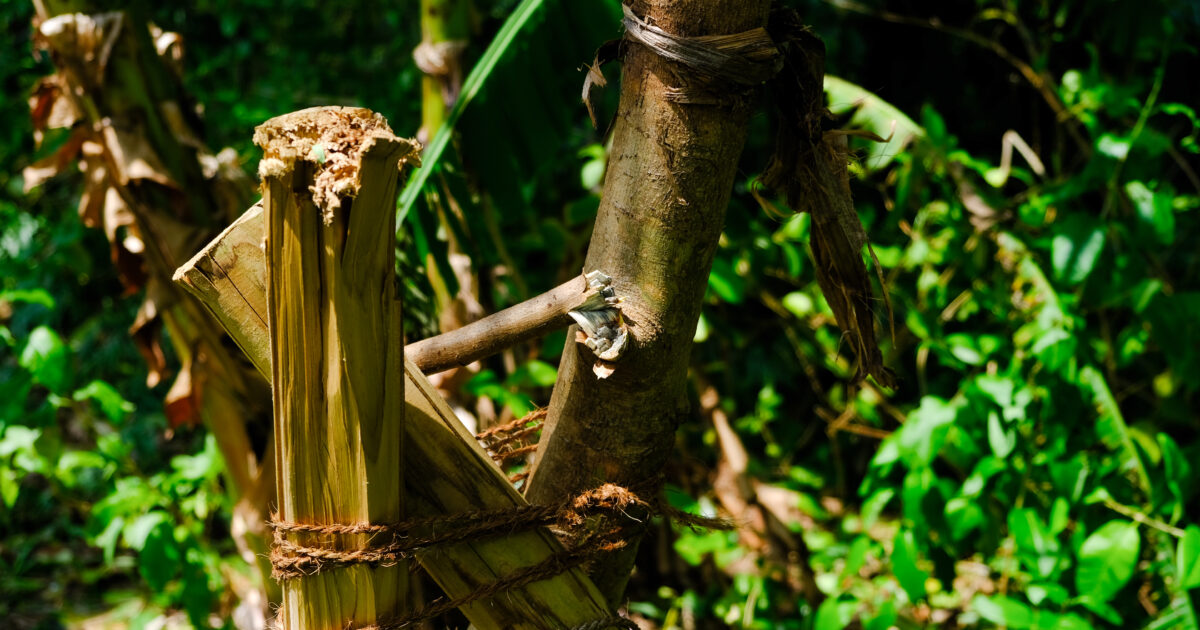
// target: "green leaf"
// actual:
[[726, 283], [964, 348], [198, 598], [1187, 558], [1069, 621], [799, 304], [1075, 248], [835, 613], [875, 115], [1039, 548], [1047, 591], [18, 439], [29, 296], [1055, 348], [206, 464], [885, 617], [873, 507], [904, 565], [591, 175], [505, 37], [1111, 426], [923, 434], [1107, 560], [1003, 611], [1002, 439], [1154, 210], [1102, 609], [10, 487], [111, 403], [69, 465], [108, 537], [137, 532], [540, 373], [47, 358], [158, 560], [702, 329]]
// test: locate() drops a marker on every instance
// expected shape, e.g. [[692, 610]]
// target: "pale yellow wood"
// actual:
[[336, 363], [235, 259], [444, 470]]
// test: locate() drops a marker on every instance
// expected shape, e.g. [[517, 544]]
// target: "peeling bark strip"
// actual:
[[670, 175]]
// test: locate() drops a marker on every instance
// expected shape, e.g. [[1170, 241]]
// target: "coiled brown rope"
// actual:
[[593, 523]]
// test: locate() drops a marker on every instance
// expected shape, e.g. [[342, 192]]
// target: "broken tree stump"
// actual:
[[336, 354], [444, 470]]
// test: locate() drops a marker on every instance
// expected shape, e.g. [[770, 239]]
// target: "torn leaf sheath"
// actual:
[[809, 169]]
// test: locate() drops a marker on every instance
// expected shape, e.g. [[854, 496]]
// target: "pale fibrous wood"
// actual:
[[228, 276], [221, 273], [445, 471], [336, 356]]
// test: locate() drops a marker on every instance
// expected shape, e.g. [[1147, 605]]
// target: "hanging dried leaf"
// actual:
[[40, 171], [607, 52], [809, 168], [145, 332], [85, 41], [95, 187], [132, 157], [49, 108], [183, 400], [169, 47]]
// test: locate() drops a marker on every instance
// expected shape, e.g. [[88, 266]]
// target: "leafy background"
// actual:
[[1033, 470]]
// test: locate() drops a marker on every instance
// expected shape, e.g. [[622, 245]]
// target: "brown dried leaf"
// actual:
[[49, 108], [40, 171], [133, 158], [169, 46], [607, 52], [83, 41], [183, 400], [809, 168], [95, 188], [145, 333]]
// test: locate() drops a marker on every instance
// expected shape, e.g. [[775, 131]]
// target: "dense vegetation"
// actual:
[[1034, 469]]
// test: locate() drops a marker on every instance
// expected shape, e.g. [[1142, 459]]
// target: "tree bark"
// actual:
[[671, 170]]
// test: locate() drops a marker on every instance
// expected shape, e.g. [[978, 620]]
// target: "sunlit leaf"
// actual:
[[874, 115], [904, 565], [1003, 611], [47, 358], [1187, 558], [1107, 559], [1076, 246]]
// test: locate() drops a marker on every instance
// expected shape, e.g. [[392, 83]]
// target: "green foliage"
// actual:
[[1034, 469], [1044, 342]]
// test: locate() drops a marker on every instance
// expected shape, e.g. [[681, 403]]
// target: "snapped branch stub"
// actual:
[[601, 327]]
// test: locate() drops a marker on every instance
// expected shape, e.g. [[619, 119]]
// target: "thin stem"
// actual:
[[1142, 518]]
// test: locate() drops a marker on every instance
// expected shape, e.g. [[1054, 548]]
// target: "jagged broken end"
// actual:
[[334, 139], [601, 327]]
